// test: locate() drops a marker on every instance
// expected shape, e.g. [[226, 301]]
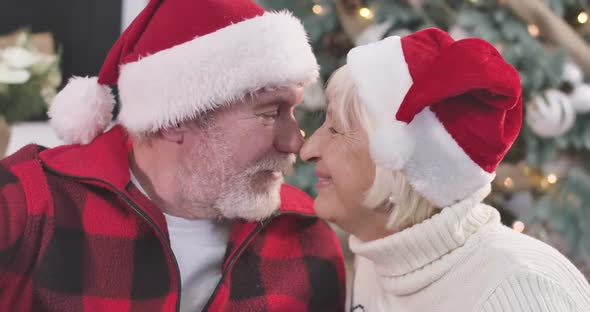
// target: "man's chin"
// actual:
[[251, 206]]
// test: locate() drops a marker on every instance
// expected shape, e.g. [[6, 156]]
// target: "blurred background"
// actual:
[[543, 186]]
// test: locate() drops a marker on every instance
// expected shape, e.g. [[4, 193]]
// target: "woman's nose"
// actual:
[[310, 150]]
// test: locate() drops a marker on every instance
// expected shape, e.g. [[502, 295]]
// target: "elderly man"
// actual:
[[182, 206]]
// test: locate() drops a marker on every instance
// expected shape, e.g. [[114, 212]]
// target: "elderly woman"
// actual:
[[414, 131]]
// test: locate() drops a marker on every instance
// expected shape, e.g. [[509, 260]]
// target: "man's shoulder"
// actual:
[[24, 155], [21, 170], [294, 200]]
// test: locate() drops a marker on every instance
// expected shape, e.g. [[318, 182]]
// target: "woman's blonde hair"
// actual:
[[390, 188]]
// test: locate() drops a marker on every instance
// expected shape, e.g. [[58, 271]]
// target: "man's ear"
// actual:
[[174, 134]]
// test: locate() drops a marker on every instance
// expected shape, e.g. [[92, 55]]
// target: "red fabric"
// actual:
[[165, 24], [71, 240], [473, 92]]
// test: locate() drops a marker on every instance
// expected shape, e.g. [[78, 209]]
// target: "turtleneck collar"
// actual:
[[412, 259]]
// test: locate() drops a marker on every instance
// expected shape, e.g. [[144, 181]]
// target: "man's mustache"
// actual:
[[280, 163]]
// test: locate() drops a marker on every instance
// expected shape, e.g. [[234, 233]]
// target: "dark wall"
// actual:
[[85, 29]]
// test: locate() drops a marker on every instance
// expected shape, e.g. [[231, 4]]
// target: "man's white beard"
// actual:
[[241, 200], [228, 193]]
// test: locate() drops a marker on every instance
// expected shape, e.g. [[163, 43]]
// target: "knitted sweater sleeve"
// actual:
[[533, 292]]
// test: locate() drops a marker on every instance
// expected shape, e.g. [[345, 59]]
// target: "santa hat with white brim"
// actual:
[[180, 58], [446, 111]]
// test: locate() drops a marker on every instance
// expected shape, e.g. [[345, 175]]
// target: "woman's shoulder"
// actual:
[[532, 265], [519, 251], [521, 270]]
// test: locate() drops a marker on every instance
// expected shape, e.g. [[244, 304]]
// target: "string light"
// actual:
[[366, 13], [508, 183], [583, 17], [518, 226], [473, 1], [552, 178], [533, 30], [317, 9]]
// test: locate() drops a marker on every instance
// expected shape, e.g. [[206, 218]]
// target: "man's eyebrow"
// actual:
[[272, 101]]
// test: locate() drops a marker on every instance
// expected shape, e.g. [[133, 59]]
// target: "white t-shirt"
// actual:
[[199, 247]]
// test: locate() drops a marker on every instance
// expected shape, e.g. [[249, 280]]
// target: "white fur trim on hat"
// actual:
[[184, 81], [382, 77], [439, 169], [392, 146], [82, 110]]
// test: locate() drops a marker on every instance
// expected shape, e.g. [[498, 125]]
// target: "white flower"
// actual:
[[19, 58], [10, 75]]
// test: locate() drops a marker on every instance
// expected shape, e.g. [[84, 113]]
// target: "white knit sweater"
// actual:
[[463, 259]]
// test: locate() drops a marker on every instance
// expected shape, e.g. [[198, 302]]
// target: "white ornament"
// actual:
[[313, 96], [550, 115], [572, 73], [373, 33], [580, 98]]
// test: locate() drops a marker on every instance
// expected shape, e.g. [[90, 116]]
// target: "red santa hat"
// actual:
[[446, 111], [180, 58]]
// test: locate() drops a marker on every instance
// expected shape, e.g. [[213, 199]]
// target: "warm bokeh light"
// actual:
[[533, 30], [317, 9], [508, 183], [518, 226], [583, 17], [366, 13], [552, 178]]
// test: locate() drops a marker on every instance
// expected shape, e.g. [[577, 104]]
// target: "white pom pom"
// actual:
[[82, 110], [392, 145]]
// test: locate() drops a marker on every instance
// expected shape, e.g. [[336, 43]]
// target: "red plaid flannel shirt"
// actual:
[[76, 235]]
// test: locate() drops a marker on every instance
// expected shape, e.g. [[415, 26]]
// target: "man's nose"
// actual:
[[289, 138]]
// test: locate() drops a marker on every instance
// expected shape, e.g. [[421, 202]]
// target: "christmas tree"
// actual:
[[543, 185]]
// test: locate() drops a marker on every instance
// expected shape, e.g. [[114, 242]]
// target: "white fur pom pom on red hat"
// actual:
[[82, 110]]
